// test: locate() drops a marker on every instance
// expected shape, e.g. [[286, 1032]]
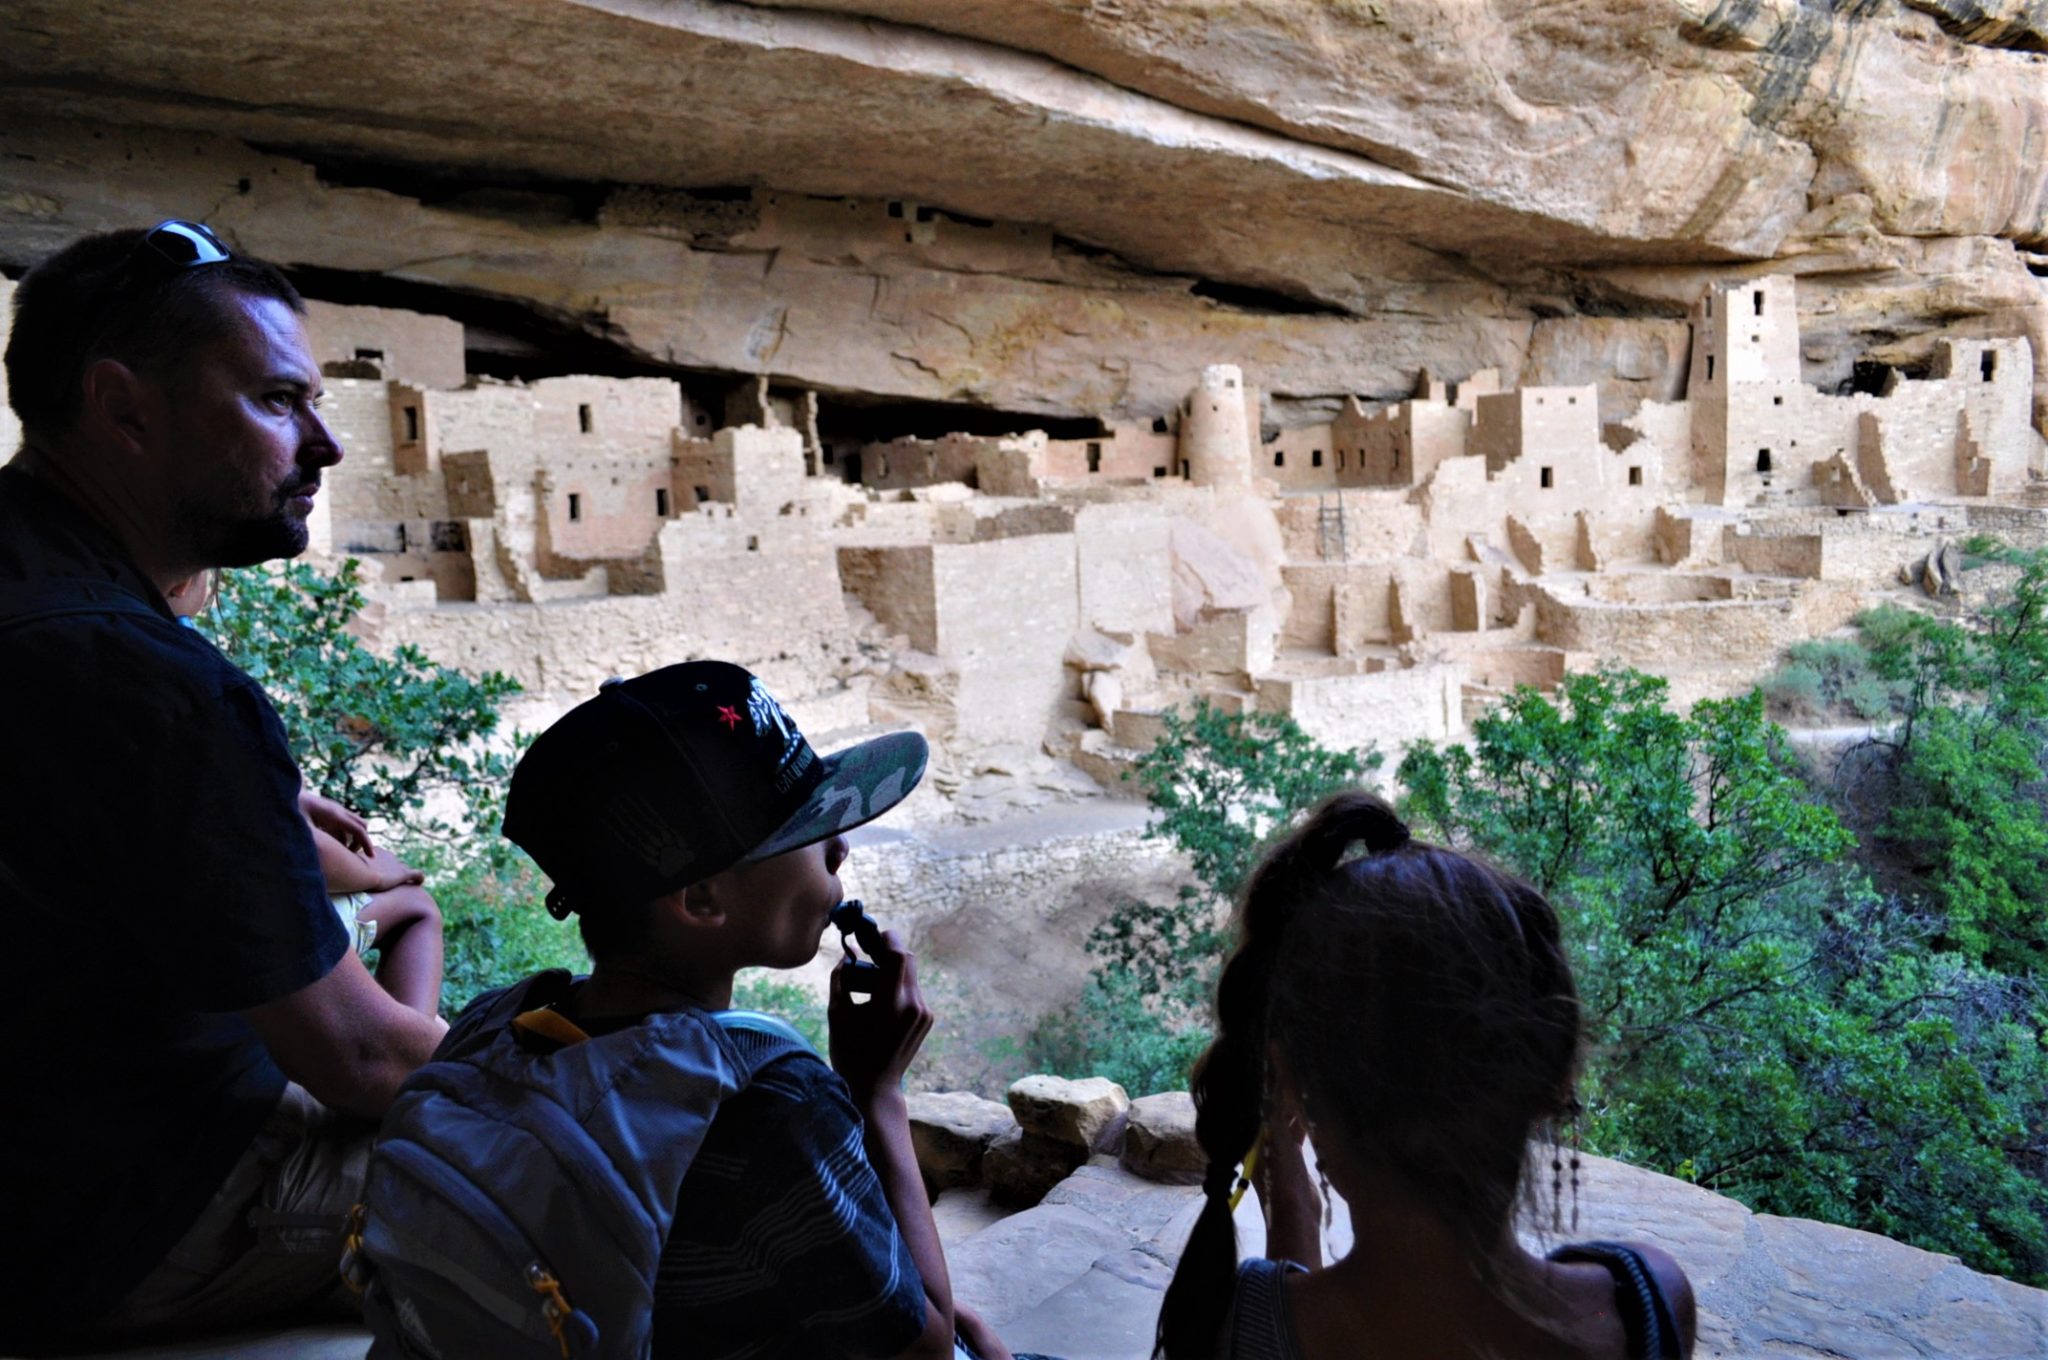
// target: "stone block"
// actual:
[[1022, 1167], [1086, 1114], [950, 1130], [1159, 1140]]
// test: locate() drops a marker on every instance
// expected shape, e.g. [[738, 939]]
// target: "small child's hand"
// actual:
[[389, 872], [873, 1042], [337, 821]]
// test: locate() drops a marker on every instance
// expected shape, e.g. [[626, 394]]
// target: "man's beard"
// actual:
[[246, 539], [248, 542]]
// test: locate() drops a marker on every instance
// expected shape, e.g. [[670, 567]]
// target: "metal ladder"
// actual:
[[1330, 528]]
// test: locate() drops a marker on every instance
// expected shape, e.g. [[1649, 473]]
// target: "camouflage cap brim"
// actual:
[[861, 783]]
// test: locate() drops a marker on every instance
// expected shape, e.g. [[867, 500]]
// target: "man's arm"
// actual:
[[345, 1039]]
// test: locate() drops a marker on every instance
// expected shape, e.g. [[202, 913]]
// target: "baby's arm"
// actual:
[[408, 945]]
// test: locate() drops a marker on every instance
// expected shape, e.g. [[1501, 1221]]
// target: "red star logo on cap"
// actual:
[[730, 716]]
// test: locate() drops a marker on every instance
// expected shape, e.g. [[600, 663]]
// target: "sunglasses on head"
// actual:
[[185, 245]]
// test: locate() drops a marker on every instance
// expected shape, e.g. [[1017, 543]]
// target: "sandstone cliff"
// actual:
[[1061, 206]]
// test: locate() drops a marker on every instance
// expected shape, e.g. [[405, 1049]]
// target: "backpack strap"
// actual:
[[1645, 1313], [760, 1039], [54, 597]]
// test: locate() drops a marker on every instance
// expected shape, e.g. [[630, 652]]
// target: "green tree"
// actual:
[[376, 733], [1964, 816], [1223, 784], [381, 734], [1762, 1020]]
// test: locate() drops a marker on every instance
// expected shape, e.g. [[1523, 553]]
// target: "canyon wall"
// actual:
[[1061, 207]]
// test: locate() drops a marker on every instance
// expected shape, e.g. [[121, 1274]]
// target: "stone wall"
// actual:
[[423, 349]]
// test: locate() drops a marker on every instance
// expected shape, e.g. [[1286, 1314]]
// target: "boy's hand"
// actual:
[[337, 821], [391, 872], [873, 1042]]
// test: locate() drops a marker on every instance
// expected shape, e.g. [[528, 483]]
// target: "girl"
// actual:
[[1411, 1012]]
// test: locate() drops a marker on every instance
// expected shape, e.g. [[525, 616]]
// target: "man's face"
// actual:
[[244, 446]]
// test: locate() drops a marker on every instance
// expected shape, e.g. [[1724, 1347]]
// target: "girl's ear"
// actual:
[[1283, 1095]]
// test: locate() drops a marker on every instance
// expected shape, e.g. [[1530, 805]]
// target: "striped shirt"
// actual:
[[784, 1244]]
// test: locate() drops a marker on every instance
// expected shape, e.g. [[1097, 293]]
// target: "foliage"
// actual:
[[1965, 822], [379, 734], [382, 735], [760, 989], [1123, 1032], [494, 928], [1830, 680], [1762, 1020], [1222, 783]]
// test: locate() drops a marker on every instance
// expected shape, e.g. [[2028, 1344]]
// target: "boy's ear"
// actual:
[[696, 907]]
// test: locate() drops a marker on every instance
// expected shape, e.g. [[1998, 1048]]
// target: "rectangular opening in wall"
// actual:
[[827, 455], [583, 417], [1988, 364], [1763, 460], [703, 494], [753, 543], [661, 501], [1710, 368], [1280, 458], [1159, 425], [1777, 401], [1159, 472], [1710, 306], [1315, 457], [1094, 456], [575, 507], [412, 424], [1571, 401], [1756, 339], [1635, 476], [375, 356], [1546, 479], [925, 214], [1756, 299], [895, 208]]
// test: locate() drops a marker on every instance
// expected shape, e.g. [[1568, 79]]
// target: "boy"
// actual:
[[685, 820]]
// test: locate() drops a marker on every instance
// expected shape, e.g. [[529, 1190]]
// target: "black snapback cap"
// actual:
[[670, 777]]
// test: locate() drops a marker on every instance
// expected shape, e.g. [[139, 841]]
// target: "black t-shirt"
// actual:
[[162, 880]]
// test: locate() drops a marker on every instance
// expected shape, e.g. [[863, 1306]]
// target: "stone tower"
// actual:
[[1216, 429]]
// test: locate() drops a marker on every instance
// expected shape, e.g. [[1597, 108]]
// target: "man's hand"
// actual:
[[873, 1042], [337, 821]]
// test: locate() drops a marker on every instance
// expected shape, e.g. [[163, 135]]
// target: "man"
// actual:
[[175, 960]]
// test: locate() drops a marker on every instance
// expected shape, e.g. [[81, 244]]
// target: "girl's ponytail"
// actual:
[[1229, 1082]]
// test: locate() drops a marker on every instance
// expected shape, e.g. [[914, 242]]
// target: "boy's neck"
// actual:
[[623, 989]]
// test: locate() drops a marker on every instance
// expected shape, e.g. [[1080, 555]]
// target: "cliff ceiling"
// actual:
[[1095, 196]]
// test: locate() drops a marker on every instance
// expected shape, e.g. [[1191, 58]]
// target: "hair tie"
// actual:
[[1216, 1182]]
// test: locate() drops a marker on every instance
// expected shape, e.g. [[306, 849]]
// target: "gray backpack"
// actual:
[[520, 1194]]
